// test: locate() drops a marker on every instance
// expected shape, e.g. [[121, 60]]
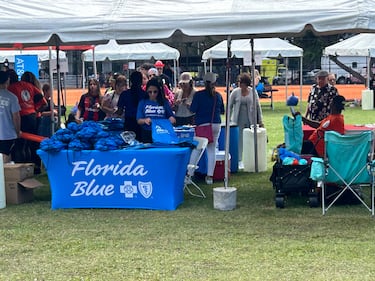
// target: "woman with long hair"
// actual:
[[89, 106], [153, 107], [208, 105], [242, 110], [183, 98]]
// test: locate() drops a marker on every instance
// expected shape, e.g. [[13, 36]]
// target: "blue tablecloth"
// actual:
[[151, 178]]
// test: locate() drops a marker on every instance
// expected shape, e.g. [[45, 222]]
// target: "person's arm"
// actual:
[[311, 123], [259, 113], [220, 99], [17, 123], [194, 103], [141, 118], [172, 120], [106, 104], [231, 103]]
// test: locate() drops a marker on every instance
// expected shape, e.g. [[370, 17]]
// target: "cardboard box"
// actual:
[[21, 192], [18, 172], [185, 133]]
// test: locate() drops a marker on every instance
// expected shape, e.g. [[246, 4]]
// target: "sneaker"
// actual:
[[240, 165], [209, 180]]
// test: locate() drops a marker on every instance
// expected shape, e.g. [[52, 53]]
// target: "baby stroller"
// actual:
[[291, 171]]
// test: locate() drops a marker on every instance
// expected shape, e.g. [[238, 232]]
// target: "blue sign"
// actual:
[[24, 63], [150, 178]]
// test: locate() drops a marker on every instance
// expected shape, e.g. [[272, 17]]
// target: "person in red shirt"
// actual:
[[89, 106], [333, 122], [31, 101]]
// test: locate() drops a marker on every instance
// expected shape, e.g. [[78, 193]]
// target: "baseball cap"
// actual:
[[152, 70], [159, 63], [210, 77], [322, 73], [185, 77]]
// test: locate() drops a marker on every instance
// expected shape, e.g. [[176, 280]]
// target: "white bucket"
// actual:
[[367, 100], [248, 149]]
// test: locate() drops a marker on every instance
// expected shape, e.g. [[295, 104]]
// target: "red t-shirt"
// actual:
[[29, 97], [333, 122]]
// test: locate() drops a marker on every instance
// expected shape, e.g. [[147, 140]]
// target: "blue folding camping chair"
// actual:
[[349, 163]]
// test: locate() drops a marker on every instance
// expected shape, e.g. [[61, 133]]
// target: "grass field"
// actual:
[[255, 241]]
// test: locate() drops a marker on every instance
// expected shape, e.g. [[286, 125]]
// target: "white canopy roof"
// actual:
[[43, 55], [265, 47], [138, 51], [97, 21], [358, 45]]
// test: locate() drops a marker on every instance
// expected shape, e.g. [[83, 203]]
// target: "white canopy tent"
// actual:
[[361, 45], [137, 51], [65, 22], [43, 55], [263, 48]]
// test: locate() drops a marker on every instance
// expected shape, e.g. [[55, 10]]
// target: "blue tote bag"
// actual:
[[293, 134], [163, 132]]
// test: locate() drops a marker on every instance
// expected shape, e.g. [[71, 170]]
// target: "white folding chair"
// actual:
[[195, 156]]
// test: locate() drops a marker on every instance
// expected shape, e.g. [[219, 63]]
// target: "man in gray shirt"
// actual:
[[10, 120]]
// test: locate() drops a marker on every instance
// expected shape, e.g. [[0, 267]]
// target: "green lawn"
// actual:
[[255, 241]]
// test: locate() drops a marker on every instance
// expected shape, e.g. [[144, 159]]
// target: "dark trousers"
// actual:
[[180, 121], [25, 150], [308, 148], [132, 125]]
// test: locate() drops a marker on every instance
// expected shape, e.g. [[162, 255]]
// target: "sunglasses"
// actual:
[[153, 92]]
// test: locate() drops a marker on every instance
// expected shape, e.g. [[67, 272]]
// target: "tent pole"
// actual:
[[254, 105], [286, 77], [300, 83], [227, 115], [175, 72], [58, 83], [83, 72], [94, 64], [51, 97], [368, 61]]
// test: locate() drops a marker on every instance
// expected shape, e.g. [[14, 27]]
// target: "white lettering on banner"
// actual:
[[20, 66], [154, 110], [83, 188], [161, 130], [119, 169]]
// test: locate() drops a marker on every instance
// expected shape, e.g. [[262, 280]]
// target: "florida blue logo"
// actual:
[[145, 188], [128, 189]]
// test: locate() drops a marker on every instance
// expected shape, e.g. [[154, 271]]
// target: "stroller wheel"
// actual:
[[280, 201], [313, 201]]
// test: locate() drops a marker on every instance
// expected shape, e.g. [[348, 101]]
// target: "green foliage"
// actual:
[[255, 241]]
